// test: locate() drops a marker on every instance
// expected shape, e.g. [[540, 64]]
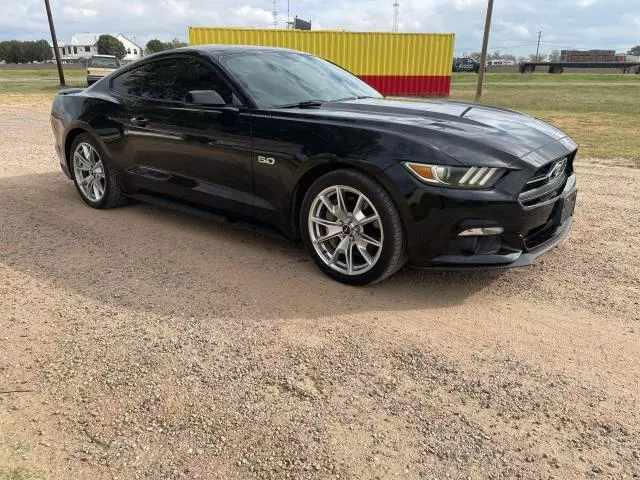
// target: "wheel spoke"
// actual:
[[98, 169], [327, 203], [357, 210], [82, 163], [348, 253], [96, 191], [86, 151], [324, 222], [86, 180], [365, 255], [100, 186], [366, 238], [339, 249], [328, 236], [341, 208], [367, 220]]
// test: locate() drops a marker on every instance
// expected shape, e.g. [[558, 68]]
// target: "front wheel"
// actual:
[[352, 229]]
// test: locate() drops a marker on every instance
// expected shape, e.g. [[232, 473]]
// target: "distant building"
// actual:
[[83, 45], [134, 51]]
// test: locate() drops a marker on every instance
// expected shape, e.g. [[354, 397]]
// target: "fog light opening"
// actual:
[[480, 232]]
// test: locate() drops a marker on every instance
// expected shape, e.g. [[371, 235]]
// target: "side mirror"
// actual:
[[205, 97]]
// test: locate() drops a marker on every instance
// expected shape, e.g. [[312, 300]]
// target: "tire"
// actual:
[[373, 232], [104, 178]]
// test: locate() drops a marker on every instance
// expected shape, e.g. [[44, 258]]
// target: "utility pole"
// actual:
[[396, 13], [54, 40], [288, 13], [274, 14], [485, 46], [538, 49]]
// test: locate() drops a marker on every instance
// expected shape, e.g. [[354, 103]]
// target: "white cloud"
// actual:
[[253, 16], [586, 3], [462, 5], [519, 30], [78, 13]]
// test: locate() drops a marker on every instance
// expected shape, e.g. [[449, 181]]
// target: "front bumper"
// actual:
[[528, 231]]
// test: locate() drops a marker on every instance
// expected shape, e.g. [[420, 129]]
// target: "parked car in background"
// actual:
[[465, 64], [100, 66], [289, 139]]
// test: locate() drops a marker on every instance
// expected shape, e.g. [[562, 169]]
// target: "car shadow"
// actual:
[[148, 258]]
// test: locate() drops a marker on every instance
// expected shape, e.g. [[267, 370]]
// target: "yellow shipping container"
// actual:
[[393, 63]]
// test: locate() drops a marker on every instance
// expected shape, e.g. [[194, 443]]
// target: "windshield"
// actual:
[[276, 79], [104, 62]]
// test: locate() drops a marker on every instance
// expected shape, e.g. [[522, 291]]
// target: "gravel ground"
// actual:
[[153, 345]]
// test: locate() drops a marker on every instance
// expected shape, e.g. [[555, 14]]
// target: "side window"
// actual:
[[171, 79]]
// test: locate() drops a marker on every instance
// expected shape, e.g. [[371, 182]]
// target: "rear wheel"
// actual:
[[352, 229], [95, 179]]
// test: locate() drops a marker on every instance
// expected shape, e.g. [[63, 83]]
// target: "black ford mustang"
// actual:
[[286, 138]]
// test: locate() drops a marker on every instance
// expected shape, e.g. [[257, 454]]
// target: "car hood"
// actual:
[[469, 133]]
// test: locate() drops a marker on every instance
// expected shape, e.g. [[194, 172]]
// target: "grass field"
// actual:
[[600, 111]]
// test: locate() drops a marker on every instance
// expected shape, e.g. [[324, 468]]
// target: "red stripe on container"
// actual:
[[410, 84]]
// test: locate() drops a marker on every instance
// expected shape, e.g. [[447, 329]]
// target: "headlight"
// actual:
[[460, 177]]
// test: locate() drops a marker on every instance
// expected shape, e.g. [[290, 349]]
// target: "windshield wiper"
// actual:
[[306, 103], [352, 98]]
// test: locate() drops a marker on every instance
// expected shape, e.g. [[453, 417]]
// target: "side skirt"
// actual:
[[208, 215]]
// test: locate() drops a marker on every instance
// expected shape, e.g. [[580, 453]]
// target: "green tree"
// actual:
[[635, 50], [45, 51], [110, 45], [9, 51], [475, 56], [154, 46], [175, 43], [15, 51], [540, 58], [554, 56], [496, 54]]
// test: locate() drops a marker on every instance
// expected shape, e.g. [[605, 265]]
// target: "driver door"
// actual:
[[201, 154]]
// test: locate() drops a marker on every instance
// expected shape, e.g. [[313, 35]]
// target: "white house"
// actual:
[[83, 45], [134, 51]]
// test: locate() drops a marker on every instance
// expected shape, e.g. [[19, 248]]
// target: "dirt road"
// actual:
[[155, 345]]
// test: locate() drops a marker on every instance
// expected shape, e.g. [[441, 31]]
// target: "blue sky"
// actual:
[[608, 24]]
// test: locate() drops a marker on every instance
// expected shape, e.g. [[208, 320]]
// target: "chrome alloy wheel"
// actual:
[[346, 230], [89, 172]]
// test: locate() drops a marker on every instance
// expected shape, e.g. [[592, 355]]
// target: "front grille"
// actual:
[[544, 185]]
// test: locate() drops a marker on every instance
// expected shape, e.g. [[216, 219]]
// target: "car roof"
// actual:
[[103, 56], [219, 49]]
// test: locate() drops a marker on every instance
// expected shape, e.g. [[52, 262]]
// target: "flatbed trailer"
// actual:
[[558, 67]]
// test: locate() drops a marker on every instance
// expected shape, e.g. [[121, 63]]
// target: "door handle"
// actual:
[[140, 121]]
